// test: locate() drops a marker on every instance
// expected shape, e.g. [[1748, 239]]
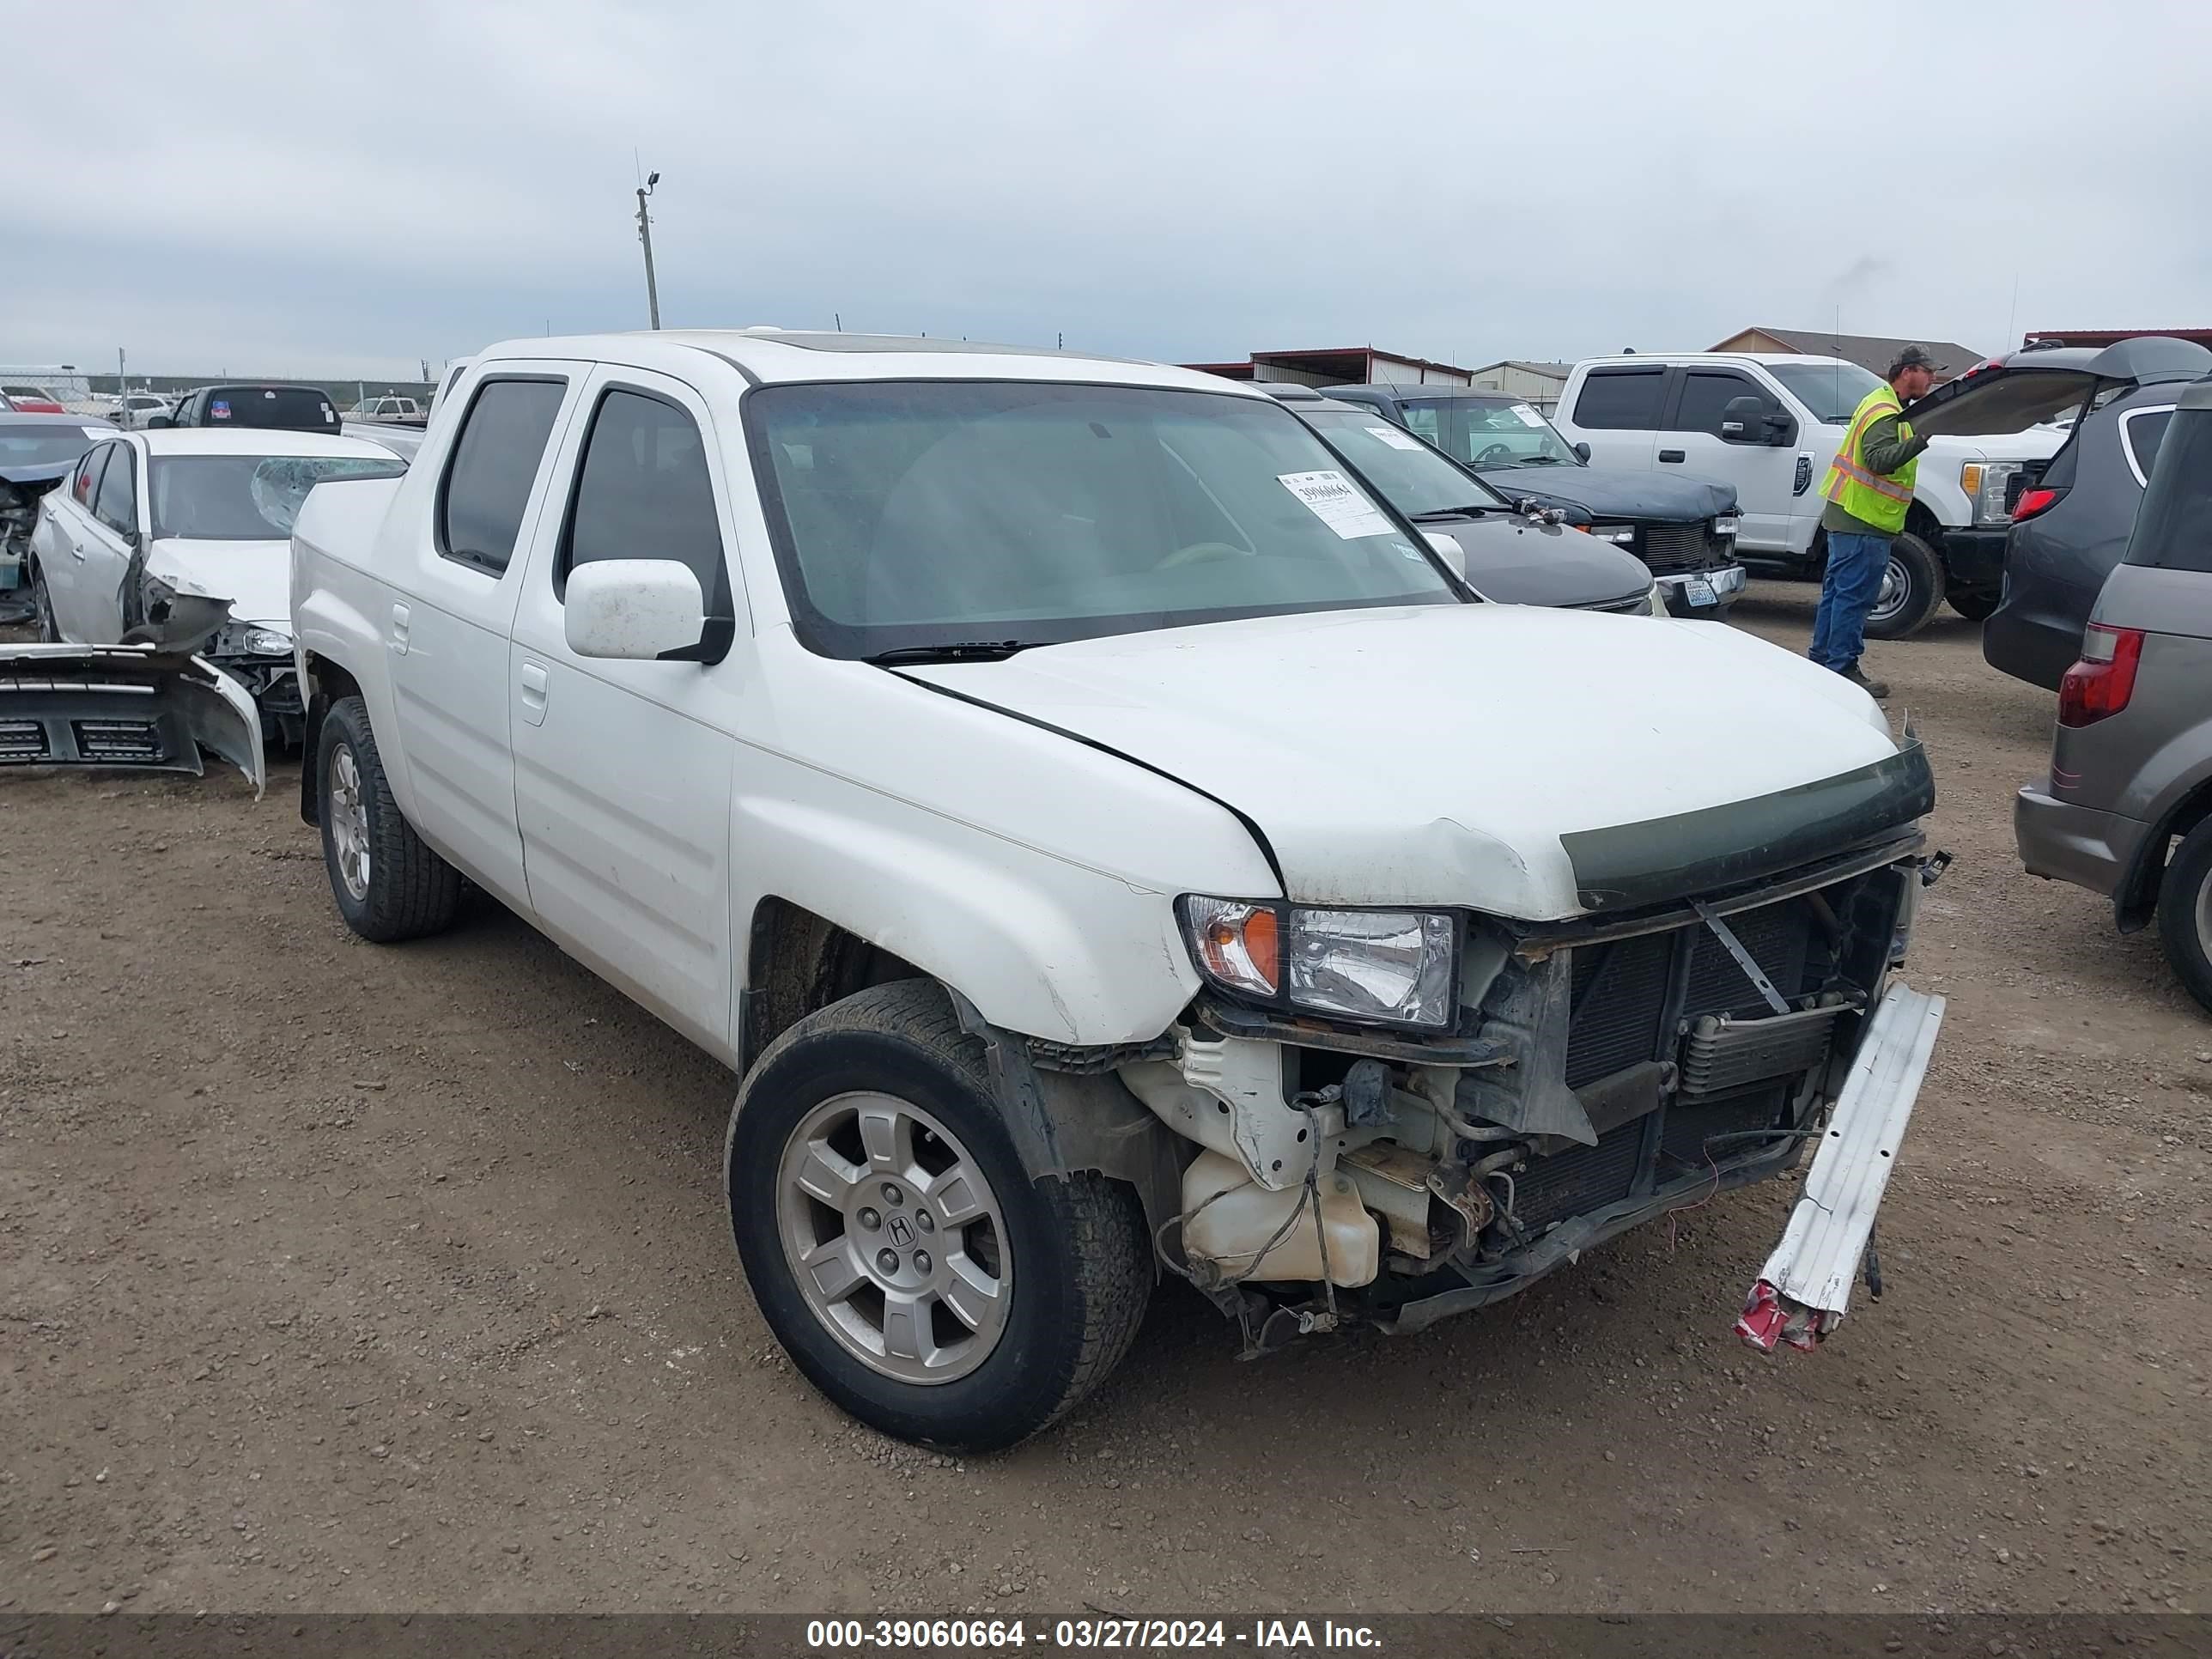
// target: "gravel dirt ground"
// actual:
[[349, 1279]]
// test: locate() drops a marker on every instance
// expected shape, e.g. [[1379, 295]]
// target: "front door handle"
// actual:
[[76, 550], [1671, 455], [534, 682], [399, 630]]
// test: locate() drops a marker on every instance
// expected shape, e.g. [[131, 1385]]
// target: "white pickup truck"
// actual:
[[1770, 424], [1107, 840]]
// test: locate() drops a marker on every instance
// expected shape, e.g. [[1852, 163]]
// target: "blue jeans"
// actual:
[[1848, 591]]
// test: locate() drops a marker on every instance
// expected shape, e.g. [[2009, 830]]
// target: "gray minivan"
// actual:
[[2127, 808]]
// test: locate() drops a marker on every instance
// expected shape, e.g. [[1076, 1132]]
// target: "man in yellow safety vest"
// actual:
[[1869, 487]]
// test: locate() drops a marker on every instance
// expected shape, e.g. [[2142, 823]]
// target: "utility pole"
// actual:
[[122, 391], [645, 235]]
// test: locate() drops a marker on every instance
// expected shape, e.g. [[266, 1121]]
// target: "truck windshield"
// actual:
[[1412, 476], [1504, 433], [1831, 391], [246, 498], [908, 515]]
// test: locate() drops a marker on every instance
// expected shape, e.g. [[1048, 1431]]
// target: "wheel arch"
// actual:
[[1062, 1122], [325, 681], [2135, 902]]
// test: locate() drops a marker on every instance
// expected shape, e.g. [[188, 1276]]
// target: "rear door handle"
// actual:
[[400, 630], [1670, 455], [76, 550], [534, 682]]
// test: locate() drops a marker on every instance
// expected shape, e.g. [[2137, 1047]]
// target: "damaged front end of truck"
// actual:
[[1726, 1001]]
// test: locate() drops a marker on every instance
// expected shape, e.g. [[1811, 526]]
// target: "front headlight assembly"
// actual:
[[1986, 483], [1371, 967]]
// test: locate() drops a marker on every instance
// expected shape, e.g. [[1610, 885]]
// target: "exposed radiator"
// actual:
[[1721, 1054]]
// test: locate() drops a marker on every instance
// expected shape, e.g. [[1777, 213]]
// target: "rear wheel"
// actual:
[[897, 1248], [1973, 606], [388, 885], [2184, 912], [1911, 588]]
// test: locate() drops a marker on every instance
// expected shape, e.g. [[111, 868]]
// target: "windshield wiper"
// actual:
[[955, 651], [1537, 460], [1470, 512]]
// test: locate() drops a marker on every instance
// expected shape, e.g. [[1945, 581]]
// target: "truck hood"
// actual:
[[1529, 764], [2038, 443], [1514, 562], [251, 580], [1609, 493]]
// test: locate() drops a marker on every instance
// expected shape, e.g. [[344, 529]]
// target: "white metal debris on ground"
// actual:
[[1806, 1284]]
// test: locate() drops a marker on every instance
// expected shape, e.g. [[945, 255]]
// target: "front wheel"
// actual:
[[897, 1248], [1911, 588], [388, 885], [2184, 912], [42, 608]]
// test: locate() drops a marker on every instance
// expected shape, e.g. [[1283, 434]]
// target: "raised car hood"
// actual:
[[253, 578], [1612, 494], [1517, 563], [1529, 764]]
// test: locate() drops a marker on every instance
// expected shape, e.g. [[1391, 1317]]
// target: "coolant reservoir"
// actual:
[[1236, 1224]]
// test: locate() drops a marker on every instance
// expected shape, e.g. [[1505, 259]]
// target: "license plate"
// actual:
[[1701, 592]]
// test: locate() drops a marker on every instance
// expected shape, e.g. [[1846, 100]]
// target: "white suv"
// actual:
[[1107, 840], [1770, 424]]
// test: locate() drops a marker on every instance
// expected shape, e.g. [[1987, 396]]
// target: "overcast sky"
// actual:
[[286, 189]]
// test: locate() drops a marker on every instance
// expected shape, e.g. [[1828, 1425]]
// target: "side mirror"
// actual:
[[158, 423], [634, 610], [1780, 429], [1582, 453], [1447, 548]]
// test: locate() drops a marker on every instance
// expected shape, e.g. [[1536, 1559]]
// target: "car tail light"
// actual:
[[2100, 685], [2035, 501]]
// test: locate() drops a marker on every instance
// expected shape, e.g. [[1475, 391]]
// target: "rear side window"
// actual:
[[2141, 431], [644, 492], [1620, 400], [116, 506], [494, 463], [2173, 526]]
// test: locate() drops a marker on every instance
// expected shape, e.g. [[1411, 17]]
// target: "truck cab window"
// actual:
[[1620, 400], [1706, 393], [495, 462], [643, 492]]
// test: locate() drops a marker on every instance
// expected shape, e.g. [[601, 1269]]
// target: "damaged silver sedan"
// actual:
[[180, 540]]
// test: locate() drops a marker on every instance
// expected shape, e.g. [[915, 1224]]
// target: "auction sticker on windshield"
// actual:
[[1331, 499], [1527, 416], [1396, 438]]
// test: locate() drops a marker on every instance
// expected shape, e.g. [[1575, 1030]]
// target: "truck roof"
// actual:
[[1662, 358], [767, 355]]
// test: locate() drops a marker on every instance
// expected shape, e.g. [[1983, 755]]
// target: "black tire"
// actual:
[[408, 890], [1913, 563], [2184, 912], [42, 608], [1077, 1258]]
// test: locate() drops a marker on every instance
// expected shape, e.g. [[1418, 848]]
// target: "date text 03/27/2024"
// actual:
[[834, 1634]]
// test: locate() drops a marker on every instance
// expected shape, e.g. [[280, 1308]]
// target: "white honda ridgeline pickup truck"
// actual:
[[1105, 837]]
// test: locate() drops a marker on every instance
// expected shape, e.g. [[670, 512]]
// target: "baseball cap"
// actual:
[[1913, 356]]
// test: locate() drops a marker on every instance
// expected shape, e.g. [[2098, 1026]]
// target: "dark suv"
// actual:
[[259, 408], [2072, 514], [1682, 529], [2126, 809]]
